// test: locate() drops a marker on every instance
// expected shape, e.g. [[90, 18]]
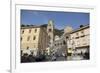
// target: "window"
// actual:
[[28, 38], [35, 30], [22, 31], [69, 48], [49, 30], [82, 32], [21, 38], [27, 47], [77, 34], [29, 30], [83, 36], [34, 37], [77, 37], [21, 52], [64, 42], [67, 37]]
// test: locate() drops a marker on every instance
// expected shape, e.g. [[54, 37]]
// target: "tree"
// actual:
[[81, 26], [22, 25]]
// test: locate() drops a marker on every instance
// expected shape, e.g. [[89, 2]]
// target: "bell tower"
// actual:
[[50, 32]]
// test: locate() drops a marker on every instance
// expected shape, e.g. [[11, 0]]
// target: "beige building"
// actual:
[[78, 41], [34, 39]]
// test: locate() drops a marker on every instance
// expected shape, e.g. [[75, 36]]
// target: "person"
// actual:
[[86, 55], [24, 58], [53, 58]]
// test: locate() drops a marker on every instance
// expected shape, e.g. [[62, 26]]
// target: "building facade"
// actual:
[[60, 47], [37, 39], [73, 42], [43, 40], [32, 39], [78, 41]]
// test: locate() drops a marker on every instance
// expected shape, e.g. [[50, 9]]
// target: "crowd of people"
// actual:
[[30, 58], [42, 57]]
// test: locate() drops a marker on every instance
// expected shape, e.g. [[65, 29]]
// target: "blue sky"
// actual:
[[61, 19]]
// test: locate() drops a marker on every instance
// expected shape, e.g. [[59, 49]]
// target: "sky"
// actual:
[[61, 19]]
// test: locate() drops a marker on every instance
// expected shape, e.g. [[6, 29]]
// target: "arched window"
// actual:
[[21, 38], [67, 37], [35, 30], [22, 31], [49, 30], [64, 42], [34, 37], [27, 47]]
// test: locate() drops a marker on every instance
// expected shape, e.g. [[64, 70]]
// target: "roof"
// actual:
[[81, 28], [34, 26]]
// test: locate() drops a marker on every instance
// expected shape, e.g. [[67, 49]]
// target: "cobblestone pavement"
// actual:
[[61, 58], [76, 57]]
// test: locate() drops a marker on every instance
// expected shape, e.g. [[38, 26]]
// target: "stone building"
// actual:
[[72, 41], [34, 39], [60, 47], [78, 41], [37, 39]]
